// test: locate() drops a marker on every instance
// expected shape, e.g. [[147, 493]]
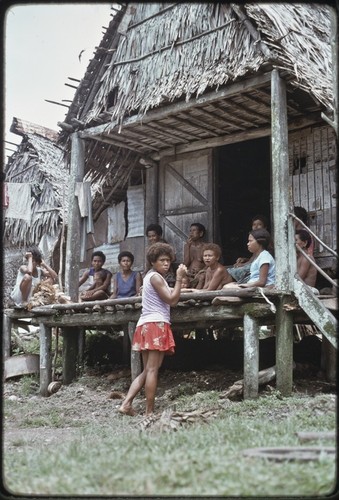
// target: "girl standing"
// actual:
[[153, 335]]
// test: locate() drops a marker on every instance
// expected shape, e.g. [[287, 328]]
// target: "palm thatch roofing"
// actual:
[[38, 161], [172, 78]]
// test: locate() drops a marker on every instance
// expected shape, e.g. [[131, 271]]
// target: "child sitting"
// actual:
[[97, 261], [193, 249], [305, 270], [215, 275], [99, 290], [126, 283]]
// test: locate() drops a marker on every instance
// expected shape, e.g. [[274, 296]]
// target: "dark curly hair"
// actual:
[[213, 247], [157, 250], [125, 253], [100, 254], [36, 254], [304, 236], [262, 236], [154, 227], [200, 227]]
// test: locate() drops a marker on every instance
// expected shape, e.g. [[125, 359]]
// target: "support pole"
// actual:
[[135, 356], [6, 338], [284, 249], [70, 347], [74, 220], [251, 357], [45, 358], [151, 196]]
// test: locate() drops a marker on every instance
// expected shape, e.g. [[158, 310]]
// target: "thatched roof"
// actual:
[[175, 51], [173, 78], [38, 161]]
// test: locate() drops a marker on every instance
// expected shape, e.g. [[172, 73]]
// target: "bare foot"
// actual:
[[127, 411]]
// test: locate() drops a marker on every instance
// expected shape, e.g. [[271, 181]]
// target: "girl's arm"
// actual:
[[115, 288], [170, 296], [107, 283], [84, 278], [263, 273], [216, 280]]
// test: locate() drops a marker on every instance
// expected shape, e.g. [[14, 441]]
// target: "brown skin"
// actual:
[[97, 291], [152, 359], [126, 271], [30, 270], [97, 264], [305, 270], [193, 251], [255, 248], [215, 276]]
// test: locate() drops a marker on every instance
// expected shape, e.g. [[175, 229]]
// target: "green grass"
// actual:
[[117, 458]]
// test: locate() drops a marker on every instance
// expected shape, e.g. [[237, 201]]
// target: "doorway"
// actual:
[[244, 190]]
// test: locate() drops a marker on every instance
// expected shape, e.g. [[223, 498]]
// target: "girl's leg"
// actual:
[[135, 387], [154, 361], [25, 287]]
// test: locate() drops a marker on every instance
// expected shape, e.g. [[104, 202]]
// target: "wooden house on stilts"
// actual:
[[212, 113]]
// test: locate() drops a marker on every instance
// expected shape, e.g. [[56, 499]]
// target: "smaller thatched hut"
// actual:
[[38, 166]]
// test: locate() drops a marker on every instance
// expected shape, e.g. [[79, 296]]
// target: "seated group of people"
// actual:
[[205, 272]]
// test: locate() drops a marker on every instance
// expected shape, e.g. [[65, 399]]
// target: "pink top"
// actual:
[[153, 308]]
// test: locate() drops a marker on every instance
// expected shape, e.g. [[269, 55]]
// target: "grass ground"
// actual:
[[75, 443]]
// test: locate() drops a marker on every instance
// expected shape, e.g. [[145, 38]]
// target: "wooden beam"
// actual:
[[74, 220], [45, 358], [70, 351], [6, 336], [284, 348], [284, 249], [251, 357], [173, 109]]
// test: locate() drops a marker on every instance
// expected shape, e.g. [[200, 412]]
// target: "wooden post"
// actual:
[[135, 356], [69, 354], [151, 196], [251, 357], [126, 344], [74, 220], [6, 336], [45, 358], [81, 346], [283, 247], [329, 360]]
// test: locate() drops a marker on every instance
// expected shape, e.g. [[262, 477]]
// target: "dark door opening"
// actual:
[[244, 187]]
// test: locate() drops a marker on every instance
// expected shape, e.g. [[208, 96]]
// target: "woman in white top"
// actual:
[[262, 270], [153, 335]]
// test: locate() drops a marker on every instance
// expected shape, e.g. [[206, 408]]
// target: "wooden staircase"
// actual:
[[316, 311]]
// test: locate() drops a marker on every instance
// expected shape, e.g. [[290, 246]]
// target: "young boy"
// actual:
[[95, 291], [154, 235], [193, 249], [126, 283]]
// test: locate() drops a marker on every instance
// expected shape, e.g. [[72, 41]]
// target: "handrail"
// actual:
[[316, 266], [314, 235]]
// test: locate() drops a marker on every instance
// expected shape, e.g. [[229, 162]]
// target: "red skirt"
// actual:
[[153, 337]]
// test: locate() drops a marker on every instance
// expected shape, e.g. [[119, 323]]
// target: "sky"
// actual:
[[42, 43]]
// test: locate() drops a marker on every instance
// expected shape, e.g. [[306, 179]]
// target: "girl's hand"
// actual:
[[181, 271], [28, 255]]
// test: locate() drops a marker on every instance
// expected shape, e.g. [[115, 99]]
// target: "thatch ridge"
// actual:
[[189, 48]]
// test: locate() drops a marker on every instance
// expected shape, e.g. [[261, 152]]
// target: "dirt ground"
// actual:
[[96, 396]]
